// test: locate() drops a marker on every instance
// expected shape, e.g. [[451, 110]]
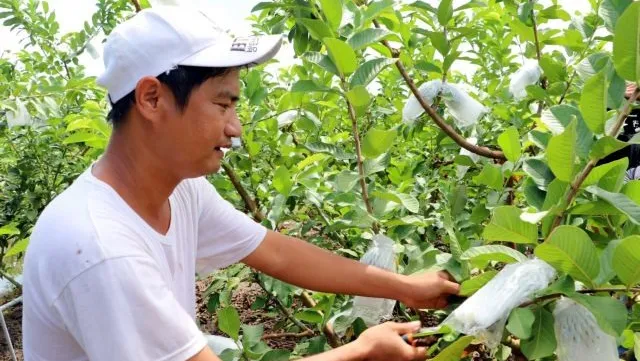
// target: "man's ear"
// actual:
[[151, 98]]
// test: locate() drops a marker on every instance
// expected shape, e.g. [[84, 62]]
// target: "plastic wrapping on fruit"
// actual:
[[380, 254], [527, 75], [485, 313], [578, 335], [412, 108], [463, 108]]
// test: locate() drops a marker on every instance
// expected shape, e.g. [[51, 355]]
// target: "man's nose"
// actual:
[[233, 127]]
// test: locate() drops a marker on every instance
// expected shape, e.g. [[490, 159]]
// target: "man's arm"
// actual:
[[379, 343], [305, 265]]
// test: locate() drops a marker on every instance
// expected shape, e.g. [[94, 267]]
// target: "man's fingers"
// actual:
[[441, 302], [419, 353], [402, 328], [451, 288], [446, 275]]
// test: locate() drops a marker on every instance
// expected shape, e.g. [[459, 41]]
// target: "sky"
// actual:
[[229, 14]]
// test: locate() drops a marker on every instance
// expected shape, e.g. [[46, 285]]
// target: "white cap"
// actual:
[[158, 39]]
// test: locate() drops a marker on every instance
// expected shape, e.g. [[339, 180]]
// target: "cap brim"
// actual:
[[250, 50]]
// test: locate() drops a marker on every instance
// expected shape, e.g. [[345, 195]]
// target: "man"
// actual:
[[110, 270]]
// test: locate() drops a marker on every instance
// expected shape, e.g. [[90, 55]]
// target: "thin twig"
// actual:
[[248, 201], [331, 336], [573, 189], [11, 280], [363, 182], [287, 334], [558, 295], [543, 81], [446, 128], [283, 309], [136, 4]]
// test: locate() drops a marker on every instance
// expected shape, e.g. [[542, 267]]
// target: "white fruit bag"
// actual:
[[485, 313], [412, 108], [578, 335], [462, 107], [527, 75], [381, 255]]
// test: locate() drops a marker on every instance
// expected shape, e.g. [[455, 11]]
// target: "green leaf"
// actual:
[[18, 247], [332, 9], [606, 263], [317, 28], [445, 12], [610, 11], [322, 61], [626, 261], [282, 181], [593, 102], [408, 201], [346, 180], [310, 316], [471, 286], [492, 252], [252, 334], [276, 355], [342, 55], [543, 336], [561, 153], [625, 44], [636, 341], [570, 250], [440, 42], [229, 322], [506, 226], [521, 323], [509, 141], [610, 313], [9, 229], [491, 175], [359, 96], [620, 201], [539, 172], [607, 145], [375, 8], [332, 149], [368, 71], [368, 36], [608, 176], [307, 86], [553, 69], [377, 141], [454, 351]]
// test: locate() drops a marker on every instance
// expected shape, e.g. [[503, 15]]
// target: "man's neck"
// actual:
[[139, 178]]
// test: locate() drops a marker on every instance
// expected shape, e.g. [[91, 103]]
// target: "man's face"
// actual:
[[195, 136]]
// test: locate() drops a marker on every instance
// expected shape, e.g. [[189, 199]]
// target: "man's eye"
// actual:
[[224, 106]]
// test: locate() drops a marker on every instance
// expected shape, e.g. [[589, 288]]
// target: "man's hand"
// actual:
[[429, 290], [383, 343]]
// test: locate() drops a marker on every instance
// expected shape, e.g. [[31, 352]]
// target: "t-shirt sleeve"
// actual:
[[122, 309], [225, 235]]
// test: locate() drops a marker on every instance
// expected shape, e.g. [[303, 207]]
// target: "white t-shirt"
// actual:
[[101, 284]]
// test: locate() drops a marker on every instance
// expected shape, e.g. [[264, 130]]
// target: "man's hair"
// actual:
[[182, 81]]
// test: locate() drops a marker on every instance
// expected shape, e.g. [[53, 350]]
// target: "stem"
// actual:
[[136, 4], [543, 81], [356, 136], [11, 280], [248, 201], [575, 186], [558, 295], [446, 128], [281, 306], [566, 90], [288, 334], [332, 338]]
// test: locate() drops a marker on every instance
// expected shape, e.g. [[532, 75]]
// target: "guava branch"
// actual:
[[248, 201], [554, 296], [543, 81], [574, 187], [356, 136], [332, 338], [446, 128], [136, 4]]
